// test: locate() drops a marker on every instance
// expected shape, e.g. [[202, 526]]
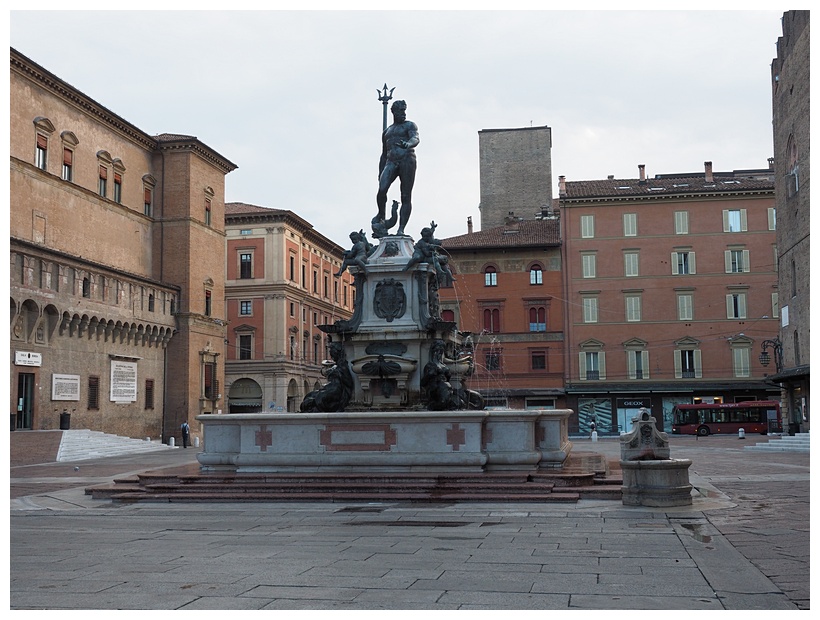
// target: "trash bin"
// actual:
[[65, 421], [794, 428]]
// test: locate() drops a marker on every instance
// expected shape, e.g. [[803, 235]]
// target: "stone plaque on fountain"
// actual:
[[644, 442]]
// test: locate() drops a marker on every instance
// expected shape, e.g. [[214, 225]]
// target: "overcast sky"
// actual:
[[291, 97]]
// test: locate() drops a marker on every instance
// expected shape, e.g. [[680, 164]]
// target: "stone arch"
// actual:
[[293, 395], [245, 396]]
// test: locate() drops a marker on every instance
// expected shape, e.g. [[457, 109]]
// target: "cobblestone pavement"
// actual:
[[743, 544]]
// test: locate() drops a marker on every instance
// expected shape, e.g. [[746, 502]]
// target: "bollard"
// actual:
[[196, 442], [594, 435], [741, 433], [171, 442]]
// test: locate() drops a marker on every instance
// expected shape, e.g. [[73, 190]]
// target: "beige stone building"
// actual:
[[280, 286], [117, 266]]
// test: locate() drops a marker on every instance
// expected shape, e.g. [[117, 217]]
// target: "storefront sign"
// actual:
[[633, 403], [65, 387]]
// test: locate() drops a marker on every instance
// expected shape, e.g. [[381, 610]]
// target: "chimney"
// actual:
[[642, 171], [771, 163], [510, 219], [708, 166], [562, 185], [610, 177], [469, 224]]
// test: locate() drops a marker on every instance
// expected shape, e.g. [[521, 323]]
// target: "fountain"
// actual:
[[397, 396]]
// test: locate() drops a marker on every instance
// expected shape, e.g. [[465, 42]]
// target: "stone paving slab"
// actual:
[[741, 545]]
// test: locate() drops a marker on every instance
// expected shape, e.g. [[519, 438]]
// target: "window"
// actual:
[[775, 306], [448, 315], [292, 268], [41, 152], [685, 307], [681, 222], [637, 364], [538, 360], [633, 308], [490, 277], [210, 384], [117, 188], [683, 262], [686, 363], [150, 303], [630, 224], [538, 319], [588, 265], [304, 276], [590, 305], [245, 347], [492, 360], [492, 320], [93, 392], [315, 281], [207, 211], [149, 393], [772, 218], [245, 308], [245, 265], [292, 310], [591, 365], [587, 226], [740, 361], [86, 287], [630, 264], [325, 287], [344, 295], [737, 261], [207, 303], [147, 198], [736, 306], [102, 186], [793, 174], [68, 165], [536, 274], [734, 220]]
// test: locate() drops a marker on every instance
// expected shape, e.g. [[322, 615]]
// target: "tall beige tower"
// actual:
[[515, 167]]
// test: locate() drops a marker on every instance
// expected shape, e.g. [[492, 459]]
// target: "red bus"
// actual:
[[754, 416]]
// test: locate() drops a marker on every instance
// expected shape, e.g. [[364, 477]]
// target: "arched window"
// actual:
[[492, 320], [490, 277], [536, 274]]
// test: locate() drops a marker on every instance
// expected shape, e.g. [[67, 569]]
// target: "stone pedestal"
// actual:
[[656, 483]]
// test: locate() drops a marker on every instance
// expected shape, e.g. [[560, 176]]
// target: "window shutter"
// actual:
[[674, 262], [117, 178], [747, 264], [147, 196], [678, 364], [630, 364], [692, 263], [645, 364], [698, 367], [68, 156], [582, 366], [741, 306], [103, 172], [602, 366], [730, 307], [743, 221], [42, 141], [727, 260], [725, 220], [772, 220]]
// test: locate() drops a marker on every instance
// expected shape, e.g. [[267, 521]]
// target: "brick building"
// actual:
[[671, 287], [790, 121], [279, 287], [117, 266], [508, 294]]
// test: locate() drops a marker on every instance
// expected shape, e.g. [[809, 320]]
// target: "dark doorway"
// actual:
[[25, 399]]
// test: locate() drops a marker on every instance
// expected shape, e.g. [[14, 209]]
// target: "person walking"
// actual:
[[186, 432]]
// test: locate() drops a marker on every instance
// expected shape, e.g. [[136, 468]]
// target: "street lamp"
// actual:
[[764, 356]]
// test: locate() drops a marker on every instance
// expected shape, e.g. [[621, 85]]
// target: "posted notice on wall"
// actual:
[[65, 387], [123, 382]]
